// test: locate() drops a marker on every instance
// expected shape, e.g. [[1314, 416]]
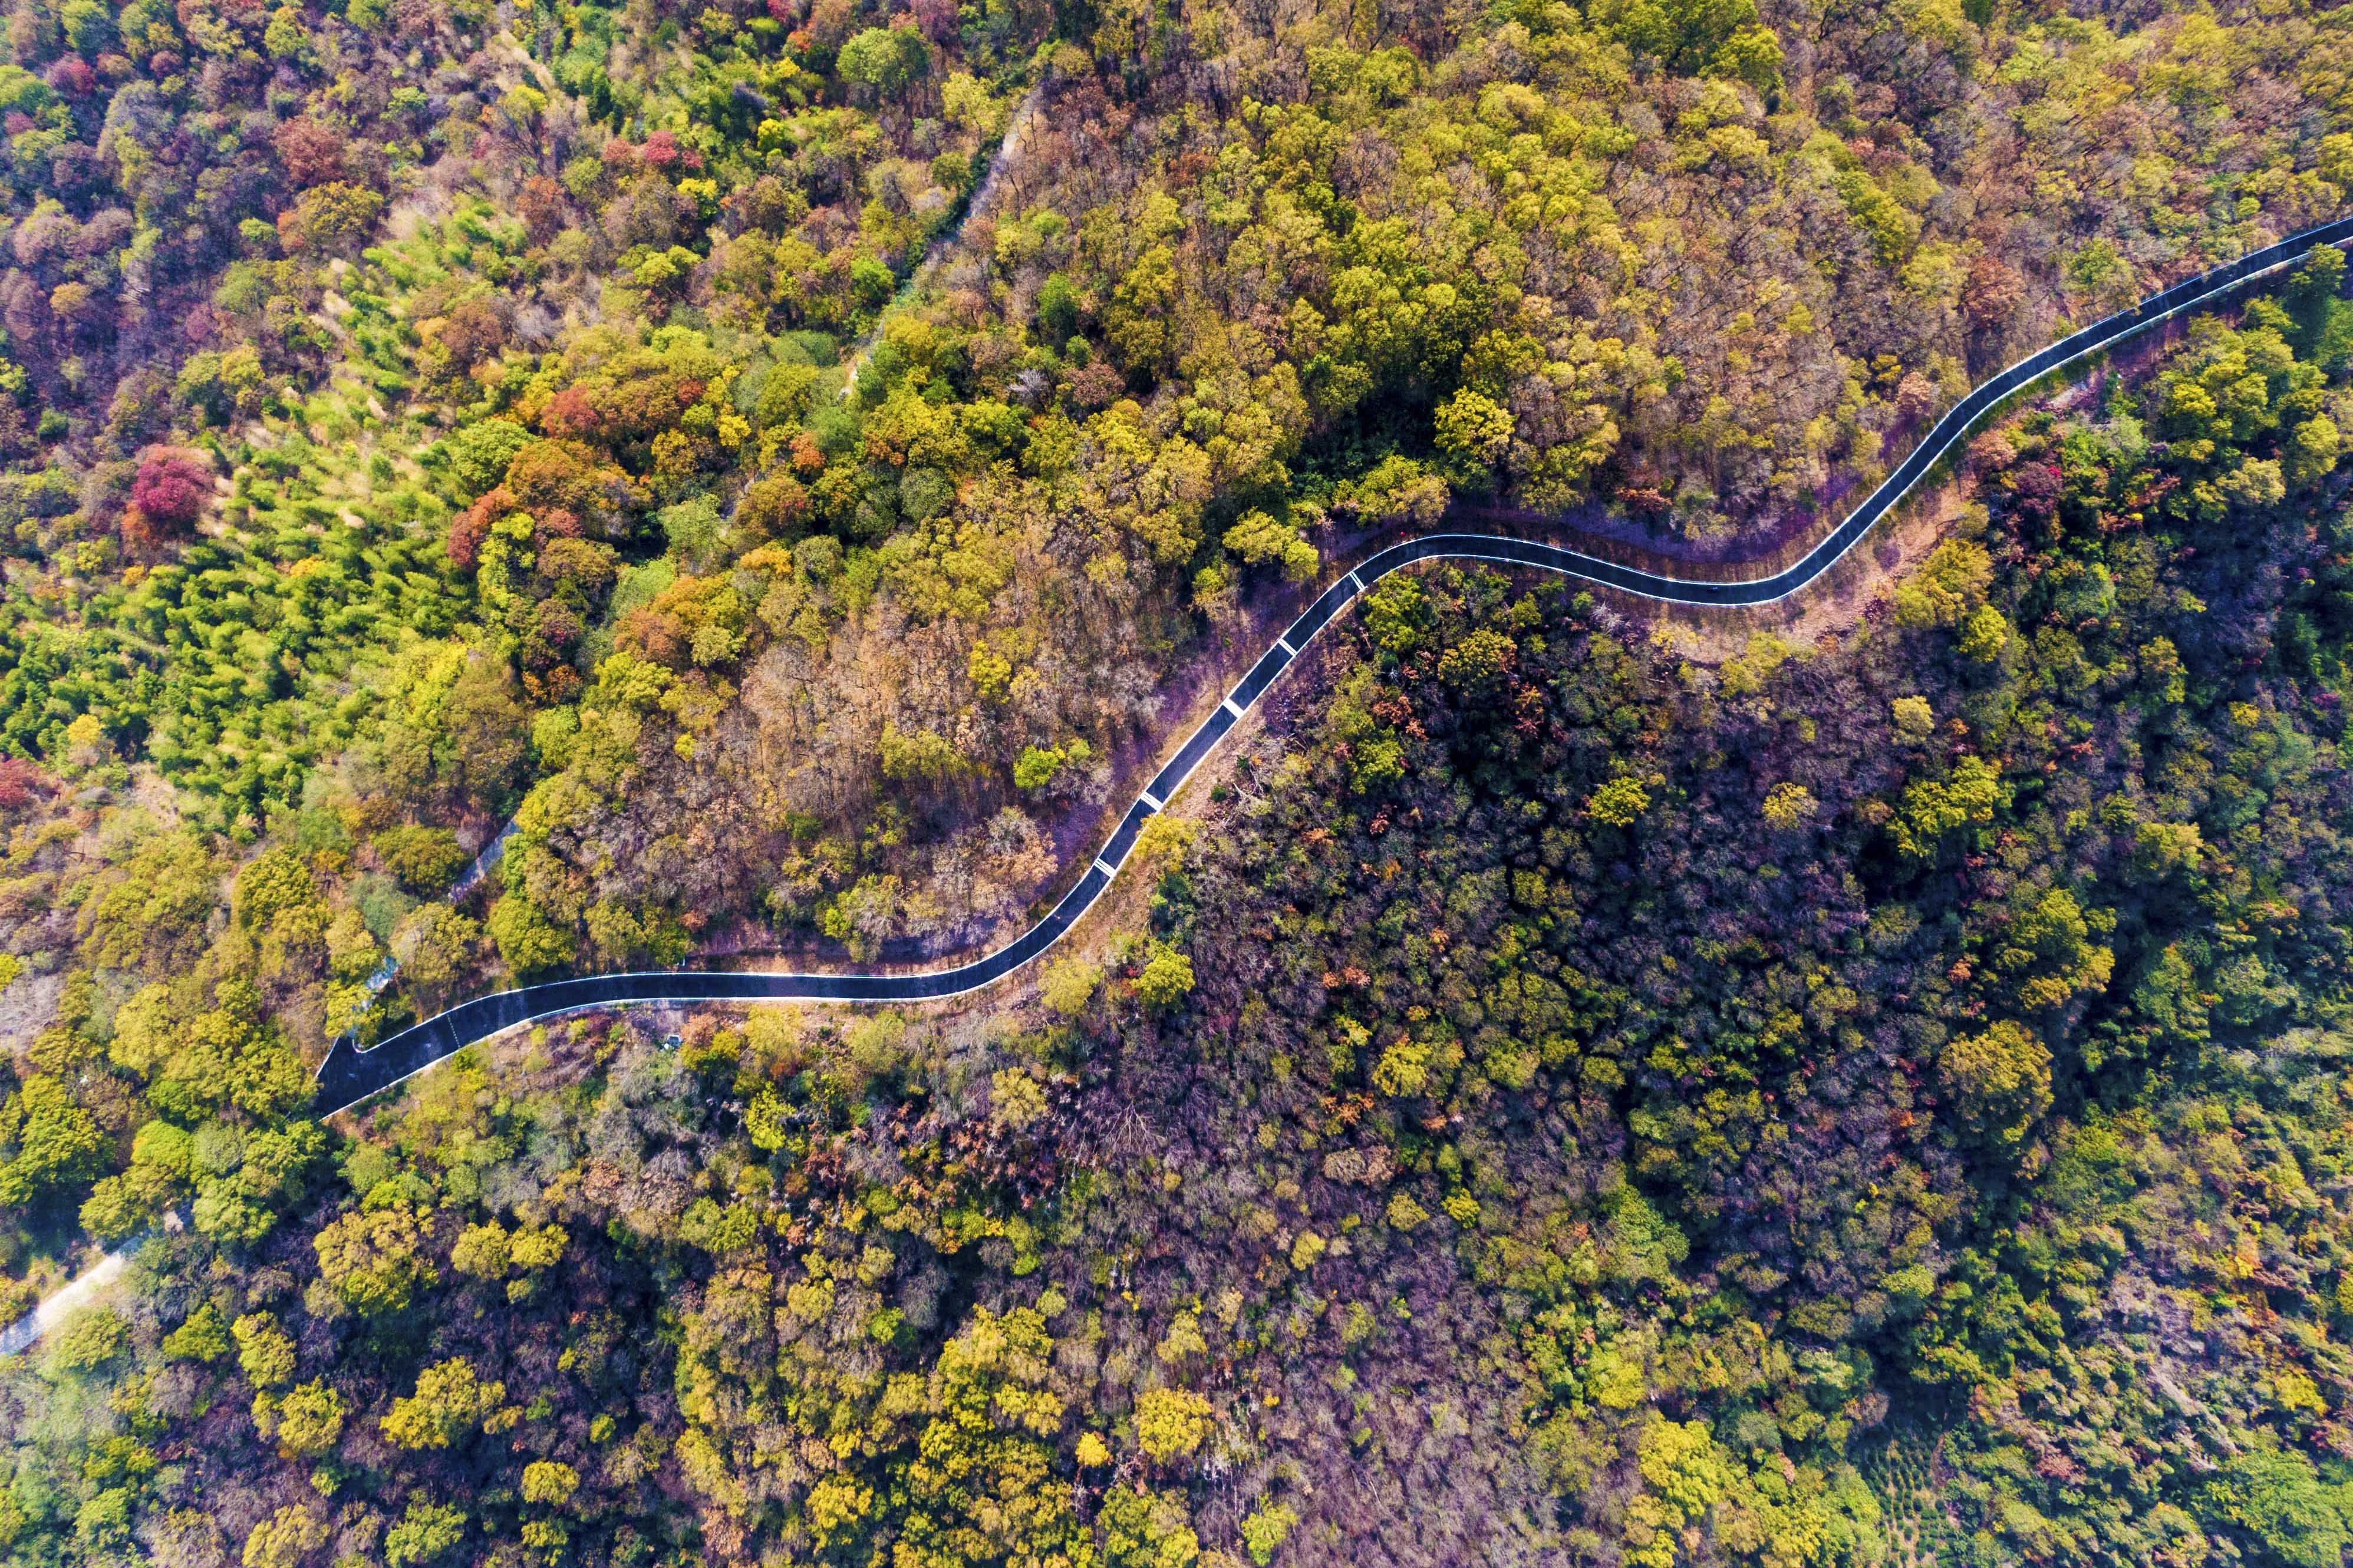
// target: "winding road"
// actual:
[[348, 1075]]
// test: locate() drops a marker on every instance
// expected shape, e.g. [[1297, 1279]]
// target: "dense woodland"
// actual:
[[1876, 1101]]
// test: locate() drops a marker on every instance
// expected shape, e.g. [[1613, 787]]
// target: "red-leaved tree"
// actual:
[[167, 496]]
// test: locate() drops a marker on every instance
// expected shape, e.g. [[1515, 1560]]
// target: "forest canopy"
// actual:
[[1577, 1088], [1440, 1158]]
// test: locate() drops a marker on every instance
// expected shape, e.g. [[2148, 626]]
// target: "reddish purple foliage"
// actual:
[[937, 18], [73, 77], [21, 783], [171, 487]]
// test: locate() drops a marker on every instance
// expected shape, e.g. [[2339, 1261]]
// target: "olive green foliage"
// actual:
[[1473, 1149], [1617, 1105]]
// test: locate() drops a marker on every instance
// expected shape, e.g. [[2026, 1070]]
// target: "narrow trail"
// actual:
[[64, 1302], [983, 196]]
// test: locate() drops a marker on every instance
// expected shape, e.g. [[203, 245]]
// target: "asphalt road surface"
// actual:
[[348, 1075]]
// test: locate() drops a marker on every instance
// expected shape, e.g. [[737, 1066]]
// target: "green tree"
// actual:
[[310, 1421], [435, 945], [1058, 310], [286, 1539], [1686, 1473], [1949, 585], [1172, 1423], [549, 1483], [1257, 540], [1266, 1529], [1166, 979], [273, 881], [1717, 38], [919, 756], [427, 1533], [450, 1402], [2314, 300], [201, 1336], [1480, 663], [265, 1352], [88, 27], [1984, 634], [528, 941], [1475, 429], [1139, 322], [1620, 802], [424, 860], [888, 60], [2276, 1496], [1999, 1078], [980, 1484], [373, 1258], [1934, 809], [92, 1338], [1069, 985], [50, 1142]]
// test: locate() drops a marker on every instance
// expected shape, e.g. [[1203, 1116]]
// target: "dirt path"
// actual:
[[83, 1289]]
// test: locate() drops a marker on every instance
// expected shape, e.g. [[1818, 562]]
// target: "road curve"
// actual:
[[348, 1075]]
